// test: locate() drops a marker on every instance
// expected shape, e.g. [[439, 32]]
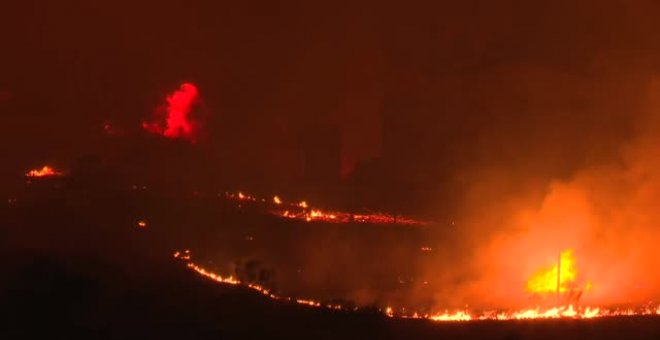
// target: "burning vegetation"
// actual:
[[303, 212], [540, 253], [563, 311], [45, 171]]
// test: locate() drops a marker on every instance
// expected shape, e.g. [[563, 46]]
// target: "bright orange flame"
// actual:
[[566, 312], [457, 316], [142, 223], [559, 278], [569, 311], [302, 211], [46, 171], [233, 281]]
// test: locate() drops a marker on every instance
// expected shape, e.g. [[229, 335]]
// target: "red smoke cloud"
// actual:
[[177, 122]]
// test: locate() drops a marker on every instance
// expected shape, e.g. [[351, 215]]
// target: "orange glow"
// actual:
[[565, 312], [46, 171], [142, 224], [457, 316], [302, 211], [389, 312], [563, 274], [234, 281]]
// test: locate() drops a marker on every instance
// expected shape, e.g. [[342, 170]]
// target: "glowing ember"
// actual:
[[277, 200], [178, 123], [142, 224], [46, 171], [183, 256], [389, 312]]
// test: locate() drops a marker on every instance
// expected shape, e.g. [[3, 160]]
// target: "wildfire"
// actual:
[[178, 123], [265, 291], [562, 312], [559, 278], [304, 212], [458, 316], [46, 171]]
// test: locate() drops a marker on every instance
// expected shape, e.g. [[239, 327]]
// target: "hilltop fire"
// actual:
[[46, 171]]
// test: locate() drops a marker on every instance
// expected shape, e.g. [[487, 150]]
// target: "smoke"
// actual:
[[175, 120], [515, 222]]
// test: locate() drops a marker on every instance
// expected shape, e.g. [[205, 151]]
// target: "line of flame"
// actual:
[[230, 280], [302, 211], [567, 312]]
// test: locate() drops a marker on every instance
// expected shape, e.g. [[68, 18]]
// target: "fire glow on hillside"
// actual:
[[565, 311], [303, 212], [45, 171]]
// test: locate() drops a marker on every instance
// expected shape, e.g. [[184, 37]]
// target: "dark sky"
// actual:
[[440, 88]]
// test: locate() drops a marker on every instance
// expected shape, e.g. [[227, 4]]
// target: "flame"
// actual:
[[559, 278], [389, 312], [177, 124], [457, 316], [46, 171], [560, 312], [302, 211], [142, 224], [230, 280]]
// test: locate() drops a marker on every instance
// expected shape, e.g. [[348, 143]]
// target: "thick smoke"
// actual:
[[516, 221]]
